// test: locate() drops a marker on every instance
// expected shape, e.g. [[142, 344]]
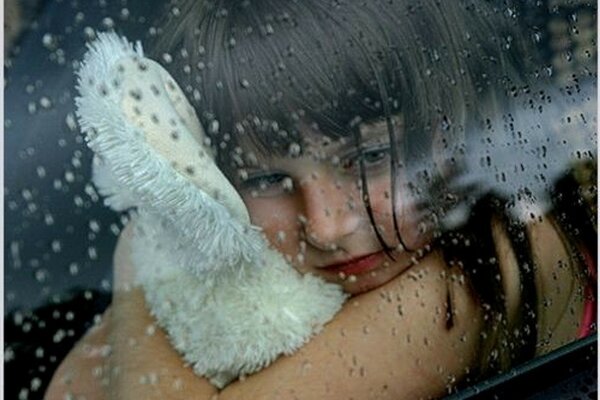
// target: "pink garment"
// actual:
[[588, 321]]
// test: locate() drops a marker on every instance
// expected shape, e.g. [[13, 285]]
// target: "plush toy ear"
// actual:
[[152, 154]]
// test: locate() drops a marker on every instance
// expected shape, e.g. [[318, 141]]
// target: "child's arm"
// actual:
[[388, 343], [141, 364]]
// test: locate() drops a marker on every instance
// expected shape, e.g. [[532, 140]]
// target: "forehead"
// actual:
[[311, 142], [316, 145], [377, 131]]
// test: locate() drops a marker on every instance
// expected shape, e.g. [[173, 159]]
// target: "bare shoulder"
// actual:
[[558, 281], [560, 284], [82, 374], [389, 343]]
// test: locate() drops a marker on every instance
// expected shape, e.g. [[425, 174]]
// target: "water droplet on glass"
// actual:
[[108, 23], [49, 41], [45, 102], [294, 150], [41, 171], [69, 176], [70, 121], [167, 58], [124, 13], [73, 268], [59, 336], [89, 33], [56, 246], [41, 275], [92, 253], [27, 194], [94, 226], [213, 127]]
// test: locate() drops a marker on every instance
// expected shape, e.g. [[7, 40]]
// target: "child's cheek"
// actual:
[[278, 219], [414, 229]]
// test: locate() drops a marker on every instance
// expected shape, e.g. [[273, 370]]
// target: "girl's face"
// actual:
[[310, 206]]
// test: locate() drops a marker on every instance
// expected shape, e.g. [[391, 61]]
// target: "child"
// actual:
[[372, 143]]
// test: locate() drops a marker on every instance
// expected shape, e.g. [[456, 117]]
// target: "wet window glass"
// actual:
[[299, 199]]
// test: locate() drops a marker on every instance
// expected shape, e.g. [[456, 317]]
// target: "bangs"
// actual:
[[281, 66], [264, 68]]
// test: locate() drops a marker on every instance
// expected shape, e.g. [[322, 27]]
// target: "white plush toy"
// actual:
[[229, 303]]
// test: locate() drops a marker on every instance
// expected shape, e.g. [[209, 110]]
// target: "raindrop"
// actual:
[[167, 58], [39, 352], [568, 56], [105, 284], [56, 246], [294, 150], [48, 219], [41, 171], [70, 121], [213, 127], [9, 354], [89, 33], [78, 201], [59, 336], [49, 41], [280, 236], [92, 253], [41, 275], [69, 176], [76, 162], [150, 330], [73, 268], [27, 194], [94, 226], [15, 253], [45, 102], [108, 23], [288, 184], [79, 17]]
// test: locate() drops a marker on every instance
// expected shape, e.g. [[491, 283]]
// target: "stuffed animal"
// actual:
[[228, 301]]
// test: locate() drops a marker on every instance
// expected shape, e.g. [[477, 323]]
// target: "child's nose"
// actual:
[[329, 212]]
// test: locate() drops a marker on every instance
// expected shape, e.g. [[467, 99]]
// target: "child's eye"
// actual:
[[267, 184], [372, 158]]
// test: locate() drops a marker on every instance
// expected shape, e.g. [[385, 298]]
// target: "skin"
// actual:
[[388, 342], [321, 220]]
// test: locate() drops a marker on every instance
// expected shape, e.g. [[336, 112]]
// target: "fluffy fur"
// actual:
[[230, 303]]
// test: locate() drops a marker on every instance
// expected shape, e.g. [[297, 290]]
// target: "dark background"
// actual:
[[59, 237]]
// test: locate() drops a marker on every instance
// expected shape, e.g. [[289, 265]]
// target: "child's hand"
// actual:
[[143, 363]]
